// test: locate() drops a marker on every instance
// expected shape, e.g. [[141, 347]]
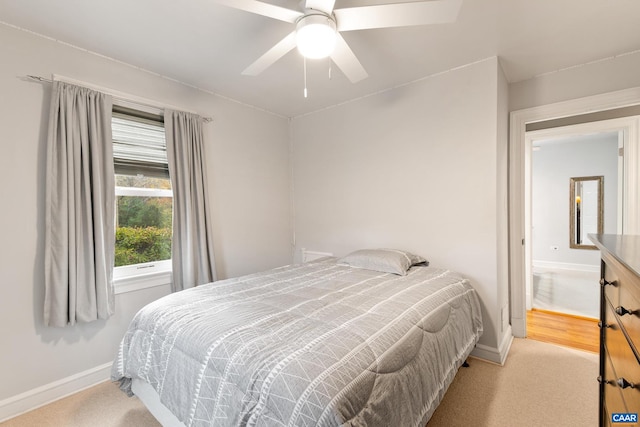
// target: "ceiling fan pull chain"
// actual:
[[304, 62]]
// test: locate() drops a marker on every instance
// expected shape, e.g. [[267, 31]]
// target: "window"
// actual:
[[144, 199]]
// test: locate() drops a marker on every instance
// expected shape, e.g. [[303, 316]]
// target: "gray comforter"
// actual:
[[316, 344]]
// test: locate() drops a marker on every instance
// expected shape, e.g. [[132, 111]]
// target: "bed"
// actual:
[[354, 341]]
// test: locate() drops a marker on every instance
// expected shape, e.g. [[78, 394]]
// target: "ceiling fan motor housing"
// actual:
[[316, 35]]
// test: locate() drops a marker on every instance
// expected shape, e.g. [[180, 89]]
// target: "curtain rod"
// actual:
[[118, 95]]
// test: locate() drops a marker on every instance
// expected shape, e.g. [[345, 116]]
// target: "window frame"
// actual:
[[134, 277]]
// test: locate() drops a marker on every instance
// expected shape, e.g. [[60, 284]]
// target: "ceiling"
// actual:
[[207, 45]]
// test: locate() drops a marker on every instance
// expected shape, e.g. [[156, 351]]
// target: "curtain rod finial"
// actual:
[[32, 78]]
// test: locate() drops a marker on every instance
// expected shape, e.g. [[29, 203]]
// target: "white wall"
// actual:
[[249, 175], [608, 75], [502, 212], [421, 167], [552, 167]]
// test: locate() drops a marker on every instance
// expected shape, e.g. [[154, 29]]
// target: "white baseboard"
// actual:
[[519, 327], [40, 396], [553, 265], [492, 354]]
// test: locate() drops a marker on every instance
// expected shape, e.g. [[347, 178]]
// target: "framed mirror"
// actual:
[[586, 210]]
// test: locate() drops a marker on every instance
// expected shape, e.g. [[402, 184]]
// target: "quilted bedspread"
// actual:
[[316, 344]]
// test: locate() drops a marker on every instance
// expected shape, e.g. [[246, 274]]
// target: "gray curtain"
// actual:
[[80, 207], [192, 243]]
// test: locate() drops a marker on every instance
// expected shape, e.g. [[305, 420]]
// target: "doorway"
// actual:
[[563, 274], [615, 104]]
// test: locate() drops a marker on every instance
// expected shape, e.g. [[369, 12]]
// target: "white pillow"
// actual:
[[384, 260]]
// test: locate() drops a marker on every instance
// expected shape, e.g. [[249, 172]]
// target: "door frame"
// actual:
[[520, 182], [620, 126]]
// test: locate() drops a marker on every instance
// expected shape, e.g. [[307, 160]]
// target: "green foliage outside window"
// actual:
[[143, 229], [135, 245]]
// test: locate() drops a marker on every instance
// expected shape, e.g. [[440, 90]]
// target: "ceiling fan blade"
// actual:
[[283, 47], [325, 6], [264, 9], [346, 60], [397, 15]]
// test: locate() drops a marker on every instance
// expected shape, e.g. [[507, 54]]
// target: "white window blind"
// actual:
[[139, 146]]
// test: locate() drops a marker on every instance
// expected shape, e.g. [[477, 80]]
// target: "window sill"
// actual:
[[141, 281]]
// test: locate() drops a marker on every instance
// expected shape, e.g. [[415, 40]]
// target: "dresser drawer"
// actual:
[[623, 291], [611, 282], [613, 401], [628, 310], [625, 366]]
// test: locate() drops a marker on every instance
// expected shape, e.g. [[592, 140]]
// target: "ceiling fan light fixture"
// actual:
[[316, 36]]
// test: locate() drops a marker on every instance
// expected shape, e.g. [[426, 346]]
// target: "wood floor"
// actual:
[[563, 329]]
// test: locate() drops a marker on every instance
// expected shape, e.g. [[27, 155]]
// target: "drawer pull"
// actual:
[[603, 381], [613, 283], [621, 311], [622, 383], [601, 325]]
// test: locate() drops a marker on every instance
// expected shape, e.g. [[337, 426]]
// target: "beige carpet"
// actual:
[[540, 385], [101, 406]]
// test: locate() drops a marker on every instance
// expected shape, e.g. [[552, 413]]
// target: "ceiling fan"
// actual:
[[318, 27]]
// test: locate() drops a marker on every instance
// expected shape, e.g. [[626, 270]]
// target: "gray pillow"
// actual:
[[385, 260]]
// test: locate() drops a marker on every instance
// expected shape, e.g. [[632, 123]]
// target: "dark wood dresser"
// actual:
[[619, 328]]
